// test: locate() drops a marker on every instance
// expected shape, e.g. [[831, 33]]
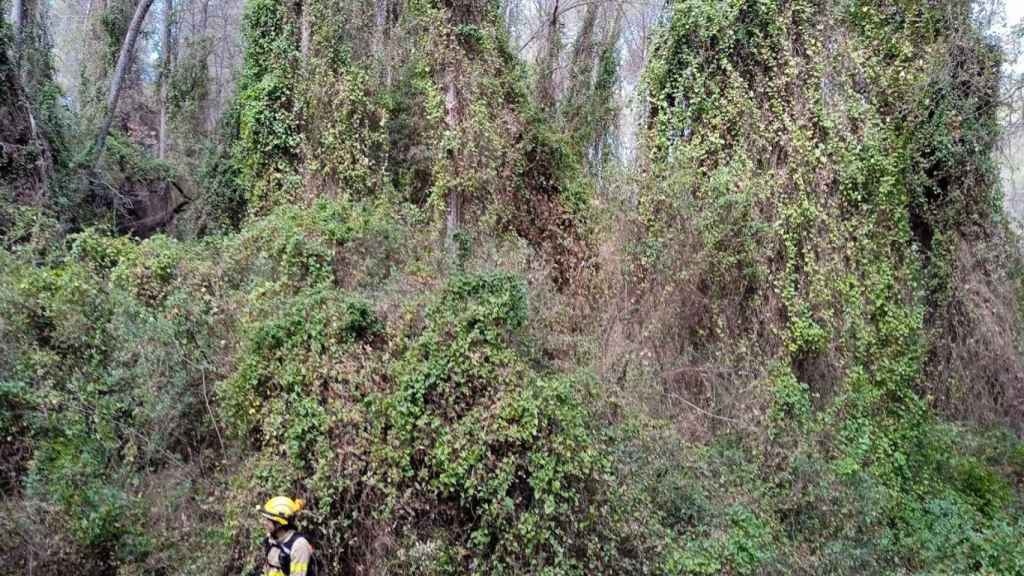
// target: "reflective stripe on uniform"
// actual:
[[298, 568], [275, 573]]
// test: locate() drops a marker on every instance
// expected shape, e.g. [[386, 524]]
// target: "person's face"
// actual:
[[269, 526]]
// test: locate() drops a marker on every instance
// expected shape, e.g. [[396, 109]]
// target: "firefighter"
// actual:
[[287, 551]]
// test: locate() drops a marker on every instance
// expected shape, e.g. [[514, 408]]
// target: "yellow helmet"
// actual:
[[280, 509]]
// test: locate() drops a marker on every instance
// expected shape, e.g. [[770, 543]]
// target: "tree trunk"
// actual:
[[23, 145], [453, 221], [18, 19], [305, 31], [380, 18], [453, 113], [546, 84], [123, 62], [384, 18], [208, 113], [165, 70], [583, 52]]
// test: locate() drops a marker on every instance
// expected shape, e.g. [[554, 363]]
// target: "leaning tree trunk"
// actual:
[[165, 70], [123, 62]]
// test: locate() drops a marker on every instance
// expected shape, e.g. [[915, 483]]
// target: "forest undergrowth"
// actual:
[[405, 279]]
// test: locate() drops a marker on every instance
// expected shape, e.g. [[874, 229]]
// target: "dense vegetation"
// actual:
[[405, 284]]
